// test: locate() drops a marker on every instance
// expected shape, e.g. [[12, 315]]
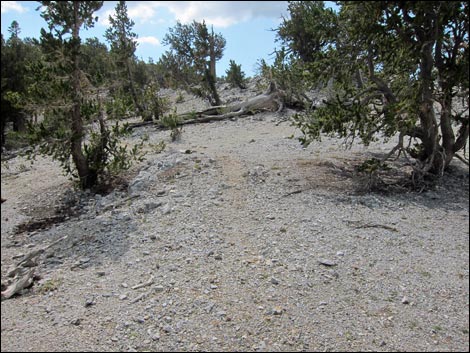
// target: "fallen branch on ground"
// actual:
[[23, 272], [272, 100]]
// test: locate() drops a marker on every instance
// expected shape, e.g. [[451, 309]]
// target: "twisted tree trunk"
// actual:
[[272, 100]]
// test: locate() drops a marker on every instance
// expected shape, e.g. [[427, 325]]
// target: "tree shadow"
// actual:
[[340, 176]]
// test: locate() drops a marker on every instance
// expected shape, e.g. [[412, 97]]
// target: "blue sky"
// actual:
[[246, 25]]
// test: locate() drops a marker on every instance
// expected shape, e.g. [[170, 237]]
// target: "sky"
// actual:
[[247, 26]]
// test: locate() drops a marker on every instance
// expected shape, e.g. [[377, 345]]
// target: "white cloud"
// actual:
[[140, 12], [223, 13], [219, 13], [149, 40], [103, 18], [8, 6], [143, 11]]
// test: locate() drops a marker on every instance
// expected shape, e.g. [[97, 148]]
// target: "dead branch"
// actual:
[[24, 280], [23, 272], [272, 100], [145, 284]]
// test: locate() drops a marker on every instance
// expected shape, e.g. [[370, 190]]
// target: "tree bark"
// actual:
[[135, 98], [210, 73], [272, 100], [77, 122]]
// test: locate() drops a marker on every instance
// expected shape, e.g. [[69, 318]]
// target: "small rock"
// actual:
[[405, 300], [76, 322], [274, 281], [89, 301], [159, 288], [326, 262], [139, 320], [166, 209]]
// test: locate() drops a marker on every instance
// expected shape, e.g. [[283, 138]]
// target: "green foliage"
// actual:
[[173, 122], [193, 56], [372, 165], [371, 170], [16, 56], [180, 98], [287, 72], [50, 285], [120, 106], [96, 62], [384, 65], [123, 44], [235, 75], [120, 35], [155, 105], [73, 130], [175, 72], [104, 151]]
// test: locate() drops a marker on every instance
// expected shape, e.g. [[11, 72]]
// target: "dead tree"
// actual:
[[272, 100]]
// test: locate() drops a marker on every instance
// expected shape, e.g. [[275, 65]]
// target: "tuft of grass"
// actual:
[[49, 286], [173, 122]]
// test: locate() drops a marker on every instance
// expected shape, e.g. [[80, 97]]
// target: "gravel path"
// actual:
[[237, 239]]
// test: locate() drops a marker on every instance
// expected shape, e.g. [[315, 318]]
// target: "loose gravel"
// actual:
[[236, 238]]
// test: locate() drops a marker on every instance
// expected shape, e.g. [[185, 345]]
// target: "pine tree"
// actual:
[[195, 47], [123, 43], [388, 64]]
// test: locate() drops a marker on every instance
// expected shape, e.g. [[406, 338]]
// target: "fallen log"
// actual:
[[272, 100]]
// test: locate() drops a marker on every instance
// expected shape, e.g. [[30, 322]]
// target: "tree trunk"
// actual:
[[215, 99], [272, 100], [211, 76], [212, 55], [3, 127], [133, 91], [86, 180], [433, 160]]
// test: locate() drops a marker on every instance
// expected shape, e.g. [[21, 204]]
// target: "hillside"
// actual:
[[236, 238]]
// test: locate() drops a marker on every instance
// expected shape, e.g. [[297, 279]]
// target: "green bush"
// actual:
[[235, 75]]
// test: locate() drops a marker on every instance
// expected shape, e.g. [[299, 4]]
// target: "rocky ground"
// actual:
[[236, 238]]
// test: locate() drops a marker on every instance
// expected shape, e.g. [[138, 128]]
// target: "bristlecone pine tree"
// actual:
[[194, 46], [396, 68], [72, 101], [123, 46]]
